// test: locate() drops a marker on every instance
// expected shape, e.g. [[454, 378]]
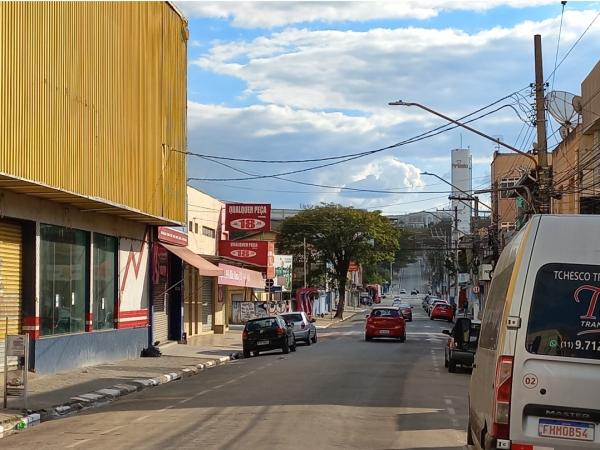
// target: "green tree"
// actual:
[[338, 235]]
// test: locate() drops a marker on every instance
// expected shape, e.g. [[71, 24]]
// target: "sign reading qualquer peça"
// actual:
[[248, 216]]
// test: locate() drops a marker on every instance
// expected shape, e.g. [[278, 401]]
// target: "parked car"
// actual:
[[267, 333], [385, 321], [304, 328], [535, 377], [403, 291], [405, 309], [442, 310], [462, 343], [414, 292], [434, 302]]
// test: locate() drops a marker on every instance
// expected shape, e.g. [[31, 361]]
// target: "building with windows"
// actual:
[[506, 170], [91, 163]]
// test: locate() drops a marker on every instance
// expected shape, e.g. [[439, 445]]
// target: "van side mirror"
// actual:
[[446, 332]]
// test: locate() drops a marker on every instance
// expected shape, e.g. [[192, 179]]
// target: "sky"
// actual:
[[297, 81]]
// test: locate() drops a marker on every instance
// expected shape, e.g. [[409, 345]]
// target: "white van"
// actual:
[[536, 377]]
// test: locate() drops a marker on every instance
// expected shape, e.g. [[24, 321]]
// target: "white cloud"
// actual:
[[363, 71], [261, 14]]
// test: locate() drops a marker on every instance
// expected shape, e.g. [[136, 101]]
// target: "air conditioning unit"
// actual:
[[485, 272]]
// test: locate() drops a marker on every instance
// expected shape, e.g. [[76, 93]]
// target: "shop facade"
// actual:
[[242, 291]]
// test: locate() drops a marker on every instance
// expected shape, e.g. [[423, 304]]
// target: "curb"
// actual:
[[342, 320], [102, 397]]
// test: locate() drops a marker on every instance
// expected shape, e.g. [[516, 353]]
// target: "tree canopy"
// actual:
[[339, 235]]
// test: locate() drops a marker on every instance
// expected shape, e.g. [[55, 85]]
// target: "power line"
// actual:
[[575, 44], [414, 139], [558, 44]]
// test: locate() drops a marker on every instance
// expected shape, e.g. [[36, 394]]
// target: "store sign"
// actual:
[[261, 253], [283, 272], [172, 236], [248, 216]]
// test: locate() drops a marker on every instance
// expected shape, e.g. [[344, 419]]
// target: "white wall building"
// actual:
[[462, 178]]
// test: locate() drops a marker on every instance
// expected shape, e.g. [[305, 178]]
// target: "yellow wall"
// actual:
[[94, 100]]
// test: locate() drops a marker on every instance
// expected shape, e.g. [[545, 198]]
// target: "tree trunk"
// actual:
[[342, 300]]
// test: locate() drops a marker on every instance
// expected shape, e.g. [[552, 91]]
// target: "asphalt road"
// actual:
[[342, 393]]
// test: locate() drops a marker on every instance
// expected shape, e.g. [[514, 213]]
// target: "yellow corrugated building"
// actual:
[[93, 104]]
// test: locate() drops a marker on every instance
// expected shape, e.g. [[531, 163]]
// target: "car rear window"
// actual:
[[385, 313], [293, 317], [263, 323], [565, 312]]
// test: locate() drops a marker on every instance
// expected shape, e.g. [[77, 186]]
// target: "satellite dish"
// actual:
[[577, 105], [560, 106]]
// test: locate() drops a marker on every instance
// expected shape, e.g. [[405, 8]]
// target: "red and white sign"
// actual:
[[238, 276], [476, 289], [172, 236], [261, 253], [248, 216]]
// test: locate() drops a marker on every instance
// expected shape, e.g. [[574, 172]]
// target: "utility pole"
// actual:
[[304, 262], [540, 121]]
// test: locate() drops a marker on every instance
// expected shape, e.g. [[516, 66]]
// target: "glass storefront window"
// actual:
[[63, 279], [105, 281]]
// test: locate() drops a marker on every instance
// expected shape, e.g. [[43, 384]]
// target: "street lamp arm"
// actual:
[[449, 119], [469, 196]]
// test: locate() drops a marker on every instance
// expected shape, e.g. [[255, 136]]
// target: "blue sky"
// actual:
[[309, 80]]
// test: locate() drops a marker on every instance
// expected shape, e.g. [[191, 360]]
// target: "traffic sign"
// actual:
[[475, 289], [269, 282]]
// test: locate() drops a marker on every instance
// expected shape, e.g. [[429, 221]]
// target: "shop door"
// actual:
[[208, 307], [159, 295], [191, 295], [10, 284]]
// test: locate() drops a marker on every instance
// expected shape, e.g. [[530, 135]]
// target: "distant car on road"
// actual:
[[442, 310], [414, 292], [432, 302], [267, 333], [403, 291], [462, 343], [385, 322], [406, 310], [304, 328]]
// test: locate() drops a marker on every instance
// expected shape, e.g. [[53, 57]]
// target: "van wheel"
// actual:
[[452, 366], [307, 341], [488, 442]]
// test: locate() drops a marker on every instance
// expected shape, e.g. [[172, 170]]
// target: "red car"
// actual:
[[385, 321], [442, 311]]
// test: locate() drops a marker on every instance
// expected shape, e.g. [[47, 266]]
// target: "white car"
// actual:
[[403, 291], [535, 378]]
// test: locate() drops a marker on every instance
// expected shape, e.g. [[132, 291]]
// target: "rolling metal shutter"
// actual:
[[208, 308], [10, 283]]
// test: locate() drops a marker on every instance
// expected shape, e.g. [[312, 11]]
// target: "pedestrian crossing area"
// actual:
[[415, 335]]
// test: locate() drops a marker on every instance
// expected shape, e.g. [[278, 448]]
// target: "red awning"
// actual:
[[238, 276], [205, 268]]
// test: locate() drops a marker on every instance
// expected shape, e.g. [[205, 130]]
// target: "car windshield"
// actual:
[[563, 320], [385, 313], [293, 317], [255, 325]]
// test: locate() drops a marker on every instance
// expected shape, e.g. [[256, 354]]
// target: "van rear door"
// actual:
[[556, 373]]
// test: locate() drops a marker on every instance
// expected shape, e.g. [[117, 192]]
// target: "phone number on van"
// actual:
[[581, 345]]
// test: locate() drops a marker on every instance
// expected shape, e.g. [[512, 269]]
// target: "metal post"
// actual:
[[304, 262]]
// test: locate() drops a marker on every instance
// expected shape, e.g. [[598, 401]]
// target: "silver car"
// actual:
[[304, 328]]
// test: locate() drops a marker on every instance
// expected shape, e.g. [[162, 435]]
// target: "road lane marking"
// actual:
[[75, 444], [139, 419], [112, 429]]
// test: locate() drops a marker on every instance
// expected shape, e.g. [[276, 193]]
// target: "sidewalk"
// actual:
[[55, 395], [329, 320]]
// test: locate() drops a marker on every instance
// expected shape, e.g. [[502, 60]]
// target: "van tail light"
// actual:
[[245, 335], [280, 331], [502, 394]]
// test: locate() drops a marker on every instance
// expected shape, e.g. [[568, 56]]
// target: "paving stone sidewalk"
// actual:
[[60, 394]]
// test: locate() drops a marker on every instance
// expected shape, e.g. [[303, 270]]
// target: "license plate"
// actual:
[[566, 429], [263, 342], [384, 331]]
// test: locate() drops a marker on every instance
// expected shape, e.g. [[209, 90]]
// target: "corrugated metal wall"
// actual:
[[94, 100], [10, 284]]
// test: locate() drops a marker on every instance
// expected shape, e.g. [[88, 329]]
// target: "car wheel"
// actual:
[[446, 359], [307, 339], [431, 318], [293, 346], [452, 366], [314, 339], [402, 338], [368, 338], [246, 353], [256, 353]]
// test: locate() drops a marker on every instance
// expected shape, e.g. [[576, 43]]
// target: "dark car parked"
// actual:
[[462, 343], [267, 333]]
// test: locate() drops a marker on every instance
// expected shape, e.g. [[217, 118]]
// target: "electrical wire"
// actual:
[[558, 44]]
